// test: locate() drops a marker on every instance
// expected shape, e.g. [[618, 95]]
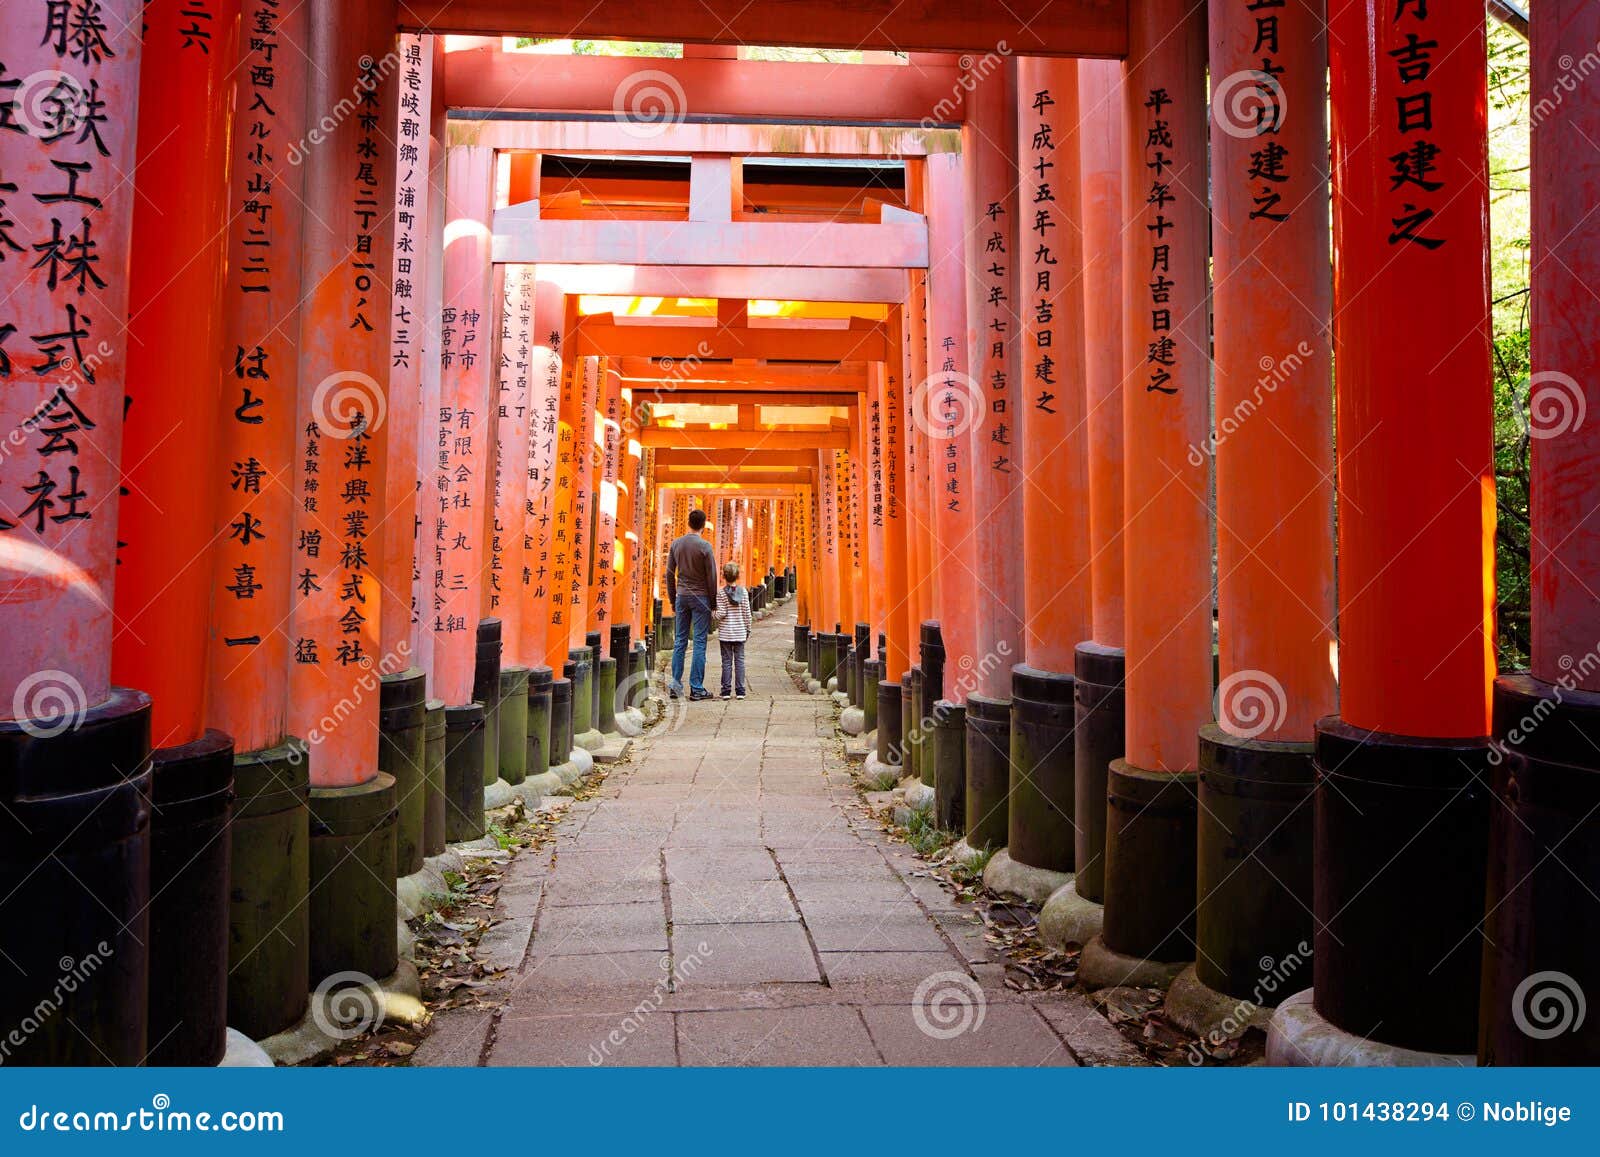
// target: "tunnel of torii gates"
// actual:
[[355, 379]]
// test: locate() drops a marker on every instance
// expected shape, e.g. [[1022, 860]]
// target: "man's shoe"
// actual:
[[740, 695], [726, 695], [674, 694], [698, 696]]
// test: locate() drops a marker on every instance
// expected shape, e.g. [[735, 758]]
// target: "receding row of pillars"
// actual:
[[1233, 751], [1117, 630], [316, 540]]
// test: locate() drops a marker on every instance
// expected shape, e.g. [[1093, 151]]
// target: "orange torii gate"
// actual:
[[1232, 723]]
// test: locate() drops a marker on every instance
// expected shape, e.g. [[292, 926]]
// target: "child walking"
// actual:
[[733, 628]]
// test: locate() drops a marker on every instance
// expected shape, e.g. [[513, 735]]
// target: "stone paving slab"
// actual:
[[724, 898]]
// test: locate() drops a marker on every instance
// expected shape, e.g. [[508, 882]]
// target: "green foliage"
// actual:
[[1509, 233]]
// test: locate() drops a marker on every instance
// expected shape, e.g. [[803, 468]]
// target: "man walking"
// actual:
[[691, 588]]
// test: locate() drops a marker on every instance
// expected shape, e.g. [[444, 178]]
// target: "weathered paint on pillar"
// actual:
[[424, 595], [344, 359], [561, 509], [587, 452], [466, 371], [1101, 149], [549, 315], [879, 596], [173, 477], [898, 598], [1165, 415], [1416, 478], [603, 589], [827, 540], [1565, 389], [1052, 399], [1273, 439], [63, 350], [994, 329], [512, 417], [249, 645], [401, 616], [950, 408]]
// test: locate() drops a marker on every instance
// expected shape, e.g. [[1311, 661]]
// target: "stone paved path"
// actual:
[[726, 899]]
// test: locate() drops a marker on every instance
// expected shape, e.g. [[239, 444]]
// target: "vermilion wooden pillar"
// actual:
[[339, 486], [1399, 803], [1052, 413], [74, 749], [513, 414], [827, 620], [402, 750], [544, 432], [424, 594], [994, 327], [1150, 858], [1273, 445], [952, 407], [1099, 664], [1544, 834], [588, 452], [167, 523], [268, 943], [173, 482]]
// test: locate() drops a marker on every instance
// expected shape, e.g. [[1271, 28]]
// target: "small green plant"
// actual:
[[503, 839], [924, 836], [971, 871]]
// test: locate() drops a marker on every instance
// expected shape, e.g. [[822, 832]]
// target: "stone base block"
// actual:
[[794, 667], [1300, 1038], [240, 1052], [964, 853], [613, 750], [852, 721], [1067, 919], [536, 787], [1196, 1007], [1100, 967], [919, 796], [876, 775], [1035, 885], [499, 794], [341, 1012], [590, 740]]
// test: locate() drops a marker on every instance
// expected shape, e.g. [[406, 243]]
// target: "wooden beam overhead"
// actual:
[[522, 238], [598, 336], [922, 91], [795, 459], [663, 394], [657, 437], [604, 135], [773, 282], [1060, 28]]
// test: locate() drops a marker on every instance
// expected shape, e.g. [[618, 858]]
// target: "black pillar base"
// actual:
[[890, 723], [513, 754], [1098, 734], [463, 772], [858, 659], [581, 675], [828, 647], [191, 798], [1044, 803], [352, 898], [1150, 862], [802, 643], [594, 641], [871, 675], [433, 808], [75, 855], [606, 695], [948, 762], [1544, 857], [486, 690], [539, 696], [403, 753], [1402, 836], [1254, 880], [988, 795], [915, 727], [560, 721], [269, 925], [932, 664], [842, 663]]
